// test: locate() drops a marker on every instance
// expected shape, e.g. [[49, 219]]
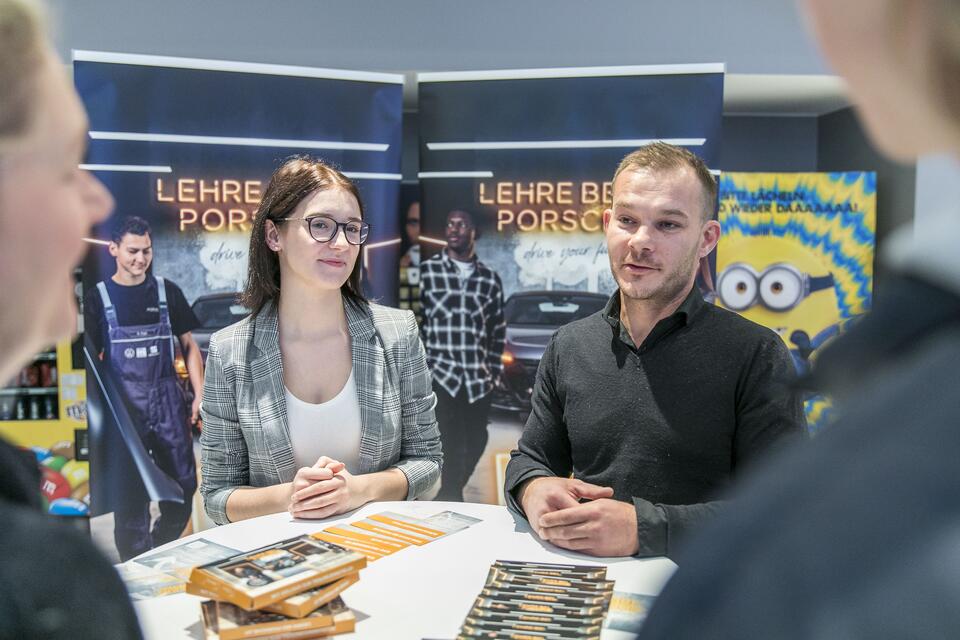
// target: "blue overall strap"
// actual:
[[165, 314], [108, 309]]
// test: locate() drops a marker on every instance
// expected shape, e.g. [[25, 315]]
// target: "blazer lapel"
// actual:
[[267, 372], [368, 368]]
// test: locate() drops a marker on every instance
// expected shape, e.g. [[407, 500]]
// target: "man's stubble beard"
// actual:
[[675, 283]]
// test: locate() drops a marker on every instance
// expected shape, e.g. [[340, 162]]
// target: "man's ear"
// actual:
[[114, 249], [711, 236]]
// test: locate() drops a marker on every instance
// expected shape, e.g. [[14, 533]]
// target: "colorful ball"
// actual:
[[53, 485], [76, 472], [68, 507], [81, 492], [54, 462], [63, 448]]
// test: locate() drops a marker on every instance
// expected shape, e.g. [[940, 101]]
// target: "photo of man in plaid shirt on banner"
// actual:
[[463, 332]]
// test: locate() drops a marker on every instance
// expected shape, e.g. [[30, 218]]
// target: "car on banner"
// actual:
[[532, 317], [215, 311]]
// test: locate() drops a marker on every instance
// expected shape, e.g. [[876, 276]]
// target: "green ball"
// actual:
[[54, 462]]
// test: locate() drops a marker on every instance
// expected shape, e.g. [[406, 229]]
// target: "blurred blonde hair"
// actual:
[[946, 54], [22, 51]]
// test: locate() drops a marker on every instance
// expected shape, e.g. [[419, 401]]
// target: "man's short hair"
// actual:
[[466, 213], [463, 212], [660, 156], [130, 224]]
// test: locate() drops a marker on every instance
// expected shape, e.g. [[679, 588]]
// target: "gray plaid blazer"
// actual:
[[245, 440]]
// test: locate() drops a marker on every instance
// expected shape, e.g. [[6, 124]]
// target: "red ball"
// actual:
[[54, 485]]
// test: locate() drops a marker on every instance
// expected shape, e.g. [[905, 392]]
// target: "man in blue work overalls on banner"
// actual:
[[133, 319]]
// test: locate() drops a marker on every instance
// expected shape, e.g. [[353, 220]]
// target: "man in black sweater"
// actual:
[[648, 408]]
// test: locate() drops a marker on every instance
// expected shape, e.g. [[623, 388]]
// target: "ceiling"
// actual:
[[783, 95]]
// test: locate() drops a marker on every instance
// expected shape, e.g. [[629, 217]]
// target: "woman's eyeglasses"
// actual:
[[325, 229]]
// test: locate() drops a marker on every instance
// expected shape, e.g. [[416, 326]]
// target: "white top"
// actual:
[[465, 269], [414, 253], [331, 428]]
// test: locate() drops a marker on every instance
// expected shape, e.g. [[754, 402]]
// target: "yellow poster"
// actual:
[[44, 409], [796, 255]]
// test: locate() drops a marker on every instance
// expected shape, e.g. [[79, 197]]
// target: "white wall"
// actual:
[[938, 188], [751, 36]]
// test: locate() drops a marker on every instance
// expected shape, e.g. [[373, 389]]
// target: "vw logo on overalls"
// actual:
[[129, 353]]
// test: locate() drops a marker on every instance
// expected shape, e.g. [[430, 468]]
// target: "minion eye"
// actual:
[[781, 287], [737, 287]]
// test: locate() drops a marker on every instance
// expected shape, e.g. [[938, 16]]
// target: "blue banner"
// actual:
[[189, 145], [533, 152], [529, 155]]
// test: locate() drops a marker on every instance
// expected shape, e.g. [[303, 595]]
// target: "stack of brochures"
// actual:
[[533, 600], [166, 571], [289, 589], [385, 533]]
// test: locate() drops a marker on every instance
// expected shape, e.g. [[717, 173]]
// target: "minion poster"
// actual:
[[796, 255]]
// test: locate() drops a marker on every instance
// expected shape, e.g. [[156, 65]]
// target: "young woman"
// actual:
[[319, 401]]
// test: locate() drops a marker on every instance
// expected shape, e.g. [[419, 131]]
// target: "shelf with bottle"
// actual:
[[44, 410], [24, 407], [28, 391], [34, 393], [39, 373]]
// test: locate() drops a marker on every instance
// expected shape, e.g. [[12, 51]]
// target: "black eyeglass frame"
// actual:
[[337, 226]]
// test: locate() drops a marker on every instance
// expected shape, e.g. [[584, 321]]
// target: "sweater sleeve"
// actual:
[[769, 414], [769, 407], [544, 446], [661, 526]]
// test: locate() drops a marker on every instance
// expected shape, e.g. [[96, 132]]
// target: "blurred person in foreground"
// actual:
[[53, 582], [857, 534]]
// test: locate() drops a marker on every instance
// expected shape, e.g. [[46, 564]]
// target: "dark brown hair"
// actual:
[[290, 184], [130, 224], [660, 156]]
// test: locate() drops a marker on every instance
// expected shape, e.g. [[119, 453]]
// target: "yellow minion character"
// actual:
[[782, 285]]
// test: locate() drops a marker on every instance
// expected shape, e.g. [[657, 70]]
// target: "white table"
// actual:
[[418, 592]]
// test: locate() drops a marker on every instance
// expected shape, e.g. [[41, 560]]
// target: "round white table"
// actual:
[[418, 592]]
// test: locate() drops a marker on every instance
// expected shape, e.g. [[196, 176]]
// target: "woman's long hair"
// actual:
[[296, 179]]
